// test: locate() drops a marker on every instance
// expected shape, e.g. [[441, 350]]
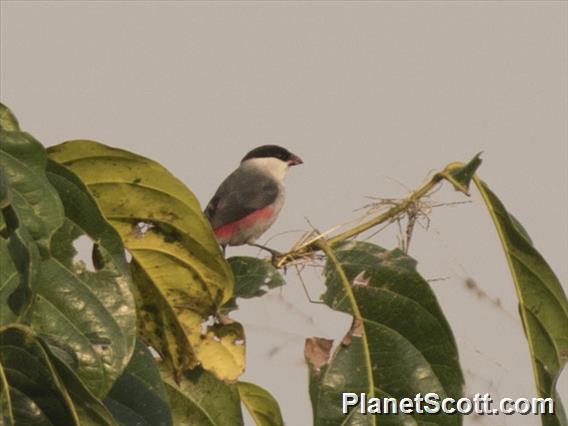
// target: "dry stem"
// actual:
[[312, 244]]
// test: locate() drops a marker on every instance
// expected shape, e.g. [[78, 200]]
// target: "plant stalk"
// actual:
[[315, 245]]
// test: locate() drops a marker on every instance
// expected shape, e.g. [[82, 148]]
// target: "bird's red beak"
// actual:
[[295, 160]]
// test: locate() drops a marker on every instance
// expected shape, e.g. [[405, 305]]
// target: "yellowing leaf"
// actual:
[[222, 350], [180, 273]]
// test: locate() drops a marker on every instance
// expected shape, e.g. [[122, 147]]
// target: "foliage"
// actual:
[[253, 278], [400, 344], [139, 395], [181, 275], [543, 306], [75, 334], [261, 405]]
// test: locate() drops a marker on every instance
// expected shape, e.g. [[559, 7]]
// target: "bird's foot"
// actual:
[[275, 254]]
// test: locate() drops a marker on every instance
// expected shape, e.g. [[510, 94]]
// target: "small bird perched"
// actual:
[[248, 201]]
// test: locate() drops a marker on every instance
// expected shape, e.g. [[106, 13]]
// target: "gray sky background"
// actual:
[[373, 97]]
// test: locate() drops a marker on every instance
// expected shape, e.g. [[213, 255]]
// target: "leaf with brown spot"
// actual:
[[354, 330], [316, 352], [400, 343], [222, 349], [181, 275]]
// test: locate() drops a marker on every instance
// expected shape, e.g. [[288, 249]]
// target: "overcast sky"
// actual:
[[373, 97]]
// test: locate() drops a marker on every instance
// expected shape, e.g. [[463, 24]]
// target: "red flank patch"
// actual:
[[248, 221]]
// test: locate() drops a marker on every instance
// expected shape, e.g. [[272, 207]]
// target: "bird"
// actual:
[[249, 200]]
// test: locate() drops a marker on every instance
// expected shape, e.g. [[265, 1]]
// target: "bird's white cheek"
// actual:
[[270, 166]]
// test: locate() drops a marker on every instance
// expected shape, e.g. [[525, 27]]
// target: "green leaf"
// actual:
[[9, 280], [19, 267], [36, 394], [181, 276], [35, 202], [400, 343], [6, 412], [87, 317], [253, 278], [8, 120], [84, 320], [31, 213], [139, 395], [261, 405], [461, 177], [542, 302], [202, 400], [5, 194], [90, 410]]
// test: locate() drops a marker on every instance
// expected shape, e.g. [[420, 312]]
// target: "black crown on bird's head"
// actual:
[[273, 151]]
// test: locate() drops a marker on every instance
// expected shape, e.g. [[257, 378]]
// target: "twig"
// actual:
[[308, 245]]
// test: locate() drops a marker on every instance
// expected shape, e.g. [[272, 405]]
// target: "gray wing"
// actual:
[[240, 194]]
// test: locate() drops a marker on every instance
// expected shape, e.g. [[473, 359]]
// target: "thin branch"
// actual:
[[308, 246]]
